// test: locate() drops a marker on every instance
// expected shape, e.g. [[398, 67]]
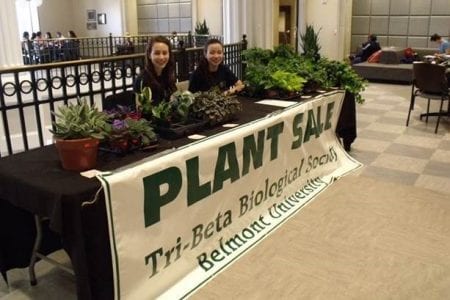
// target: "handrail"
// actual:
[[63, 49]]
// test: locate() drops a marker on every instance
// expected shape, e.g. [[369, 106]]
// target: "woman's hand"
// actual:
[[239, 86]]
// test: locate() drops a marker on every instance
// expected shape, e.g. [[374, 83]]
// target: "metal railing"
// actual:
[[29, 94], [56, 50]]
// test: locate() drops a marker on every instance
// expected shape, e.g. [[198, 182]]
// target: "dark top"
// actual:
[[159, 94], [368, 49], [223, 78]]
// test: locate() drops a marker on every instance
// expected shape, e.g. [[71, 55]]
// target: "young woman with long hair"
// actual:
[[159, 70], [211, 72]]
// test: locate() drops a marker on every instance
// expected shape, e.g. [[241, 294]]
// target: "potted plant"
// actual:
[[214, 107], [285, 84], [144, 102], [341, 75], [78, 129], [310, 43], [172, 117], [201, 33], [128, 131]]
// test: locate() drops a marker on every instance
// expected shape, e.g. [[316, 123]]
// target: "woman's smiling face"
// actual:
[[159, 56], [214, 55]]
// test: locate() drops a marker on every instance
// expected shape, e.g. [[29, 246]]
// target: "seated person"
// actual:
[[443, 47], [159, 70], [211, 71], [368, 48]]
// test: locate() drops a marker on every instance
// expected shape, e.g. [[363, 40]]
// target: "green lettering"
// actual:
[[297, 131], [273, 134], [252, 151], [195, 191], [311, 127], [153, 199], [226, 155], [330, 108]]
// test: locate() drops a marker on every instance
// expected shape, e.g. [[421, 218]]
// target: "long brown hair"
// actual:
[[203, 63], [168, 78]]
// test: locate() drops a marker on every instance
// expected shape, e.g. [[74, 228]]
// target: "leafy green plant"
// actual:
[[181, 101], [214, 107], [310, 42], [161, 112], [141, 131], [128, 130], [175, 110], [80, 120], [341, 75], [254, 56], [286, 81], [201, 27], [144, 101]]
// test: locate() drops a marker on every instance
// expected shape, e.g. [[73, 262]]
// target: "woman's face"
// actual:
[[159, 56], [214, 55]]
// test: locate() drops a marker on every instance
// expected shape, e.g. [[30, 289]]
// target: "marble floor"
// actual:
[[389, 150]]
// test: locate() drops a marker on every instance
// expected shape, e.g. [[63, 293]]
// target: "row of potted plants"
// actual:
[[80, 128], [284, 73]]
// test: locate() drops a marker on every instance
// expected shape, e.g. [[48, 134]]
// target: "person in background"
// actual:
[[49, 39], [368, 48], [444, 46], [39, 40], [73, 46], [159, 70], [27, 46], [211, 72], [72, 34]]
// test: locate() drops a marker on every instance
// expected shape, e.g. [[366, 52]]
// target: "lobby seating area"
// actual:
[[390, 67]]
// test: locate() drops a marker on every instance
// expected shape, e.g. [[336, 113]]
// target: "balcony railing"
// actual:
[[56, 50], [29, 94]]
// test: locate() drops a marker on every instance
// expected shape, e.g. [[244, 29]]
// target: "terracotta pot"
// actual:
[[78, 155]]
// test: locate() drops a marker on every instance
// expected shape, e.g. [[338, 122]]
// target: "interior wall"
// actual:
[[211, 11], [112, 9], [130, 16], [62, 21], [405, 23], [324, 15], [65, 15]]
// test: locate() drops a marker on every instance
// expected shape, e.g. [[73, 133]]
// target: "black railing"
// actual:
[[29, 94], [56, 50]]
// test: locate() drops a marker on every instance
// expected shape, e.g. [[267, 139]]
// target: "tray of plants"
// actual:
[[177, 130], [128, 132]]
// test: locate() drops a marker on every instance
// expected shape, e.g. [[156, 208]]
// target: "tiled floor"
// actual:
[[388, 149]]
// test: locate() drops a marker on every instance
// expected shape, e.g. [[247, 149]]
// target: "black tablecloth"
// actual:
[[34, 183]]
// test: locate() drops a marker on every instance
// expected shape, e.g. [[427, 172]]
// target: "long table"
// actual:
[[34, 183]]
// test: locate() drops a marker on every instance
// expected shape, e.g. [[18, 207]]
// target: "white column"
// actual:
[[251, 17], [260, 22], [11, 52], [234, 12]]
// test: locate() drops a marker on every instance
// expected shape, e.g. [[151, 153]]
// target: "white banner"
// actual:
[[178, 219]]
